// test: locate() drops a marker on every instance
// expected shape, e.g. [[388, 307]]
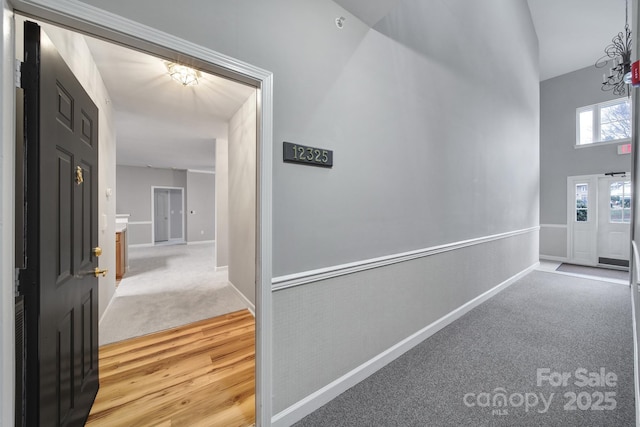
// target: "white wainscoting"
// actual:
[[332, 390], [334, 290], [553, 242], [297, 279]]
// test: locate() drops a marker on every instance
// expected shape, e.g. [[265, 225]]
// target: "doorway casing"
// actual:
[[170, 237], [585, 222], [96, 22]]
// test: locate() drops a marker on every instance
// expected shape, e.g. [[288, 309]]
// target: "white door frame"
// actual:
[[153, 214], [82, 17]]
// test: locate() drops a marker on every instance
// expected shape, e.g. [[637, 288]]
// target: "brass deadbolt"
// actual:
[[97, 251]]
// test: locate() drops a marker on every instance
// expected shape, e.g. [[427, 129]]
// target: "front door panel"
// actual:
[[614, 220], [60, 287], [582, 220], [161, 212]]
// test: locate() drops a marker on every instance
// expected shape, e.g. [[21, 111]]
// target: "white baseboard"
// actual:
[[251, 306], [634, 297], [202, 242], [106, 309], [553, 258], [222, 268], [314, 401], [142, 245], [636, 363]]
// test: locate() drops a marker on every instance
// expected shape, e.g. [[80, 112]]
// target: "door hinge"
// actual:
[[18, 73], [17, 282]]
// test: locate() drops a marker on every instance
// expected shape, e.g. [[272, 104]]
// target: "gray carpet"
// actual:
[[545, 320], [607, 273], [167, 286]]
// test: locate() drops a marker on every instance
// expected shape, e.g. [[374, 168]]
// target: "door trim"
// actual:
[[88, 19], [153, 215], [7, 217]]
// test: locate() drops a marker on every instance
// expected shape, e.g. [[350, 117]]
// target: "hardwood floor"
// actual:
[[201, 374]]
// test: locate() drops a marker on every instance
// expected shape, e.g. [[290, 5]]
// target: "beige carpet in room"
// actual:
[[165, 287]]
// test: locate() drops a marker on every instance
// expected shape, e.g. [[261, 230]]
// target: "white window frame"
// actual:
[[595, 109]]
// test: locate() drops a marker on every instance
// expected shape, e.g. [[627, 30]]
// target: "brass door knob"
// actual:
[[98, 272], [97, 251]]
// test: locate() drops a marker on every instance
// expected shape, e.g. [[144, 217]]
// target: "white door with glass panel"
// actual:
[[582, 220], [614, 219]]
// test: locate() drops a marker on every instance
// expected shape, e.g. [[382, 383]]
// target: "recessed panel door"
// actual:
[[59, 284], [161, 215]]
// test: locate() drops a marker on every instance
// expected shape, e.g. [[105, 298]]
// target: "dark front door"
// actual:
[[59, 284]]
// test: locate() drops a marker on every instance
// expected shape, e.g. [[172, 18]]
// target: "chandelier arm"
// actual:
[[619, 53]]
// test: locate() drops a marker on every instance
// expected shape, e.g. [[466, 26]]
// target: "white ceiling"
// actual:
[[369, 11], [158, 121], [572, 34], [163, 124]]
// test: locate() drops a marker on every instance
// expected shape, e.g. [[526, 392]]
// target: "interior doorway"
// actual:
[[262, 80], [599, 220], [168, 215]]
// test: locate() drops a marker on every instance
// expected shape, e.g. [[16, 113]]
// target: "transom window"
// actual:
[[604, 122]]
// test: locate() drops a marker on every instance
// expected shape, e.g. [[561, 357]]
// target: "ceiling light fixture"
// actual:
[[619, 52], [182, 74]]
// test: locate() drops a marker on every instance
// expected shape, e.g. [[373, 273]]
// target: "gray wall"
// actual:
[[553, 240], [222, 203], [200, 201], [635, 228], [559, 98], [133, 189], [392, 102], [433, 116], [332, 334], [242, 199]]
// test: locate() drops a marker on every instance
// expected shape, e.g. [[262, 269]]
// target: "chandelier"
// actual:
[[183, 74], [619, 53]]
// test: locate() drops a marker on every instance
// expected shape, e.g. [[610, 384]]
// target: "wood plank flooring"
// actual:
[[201, 374]]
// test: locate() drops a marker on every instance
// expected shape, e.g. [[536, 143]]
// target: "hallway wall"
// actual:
[[222, 203], [635, 228], [391, 102], [134, 197], [200, 199], [559, 159], [242, 199], [433, 116]]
